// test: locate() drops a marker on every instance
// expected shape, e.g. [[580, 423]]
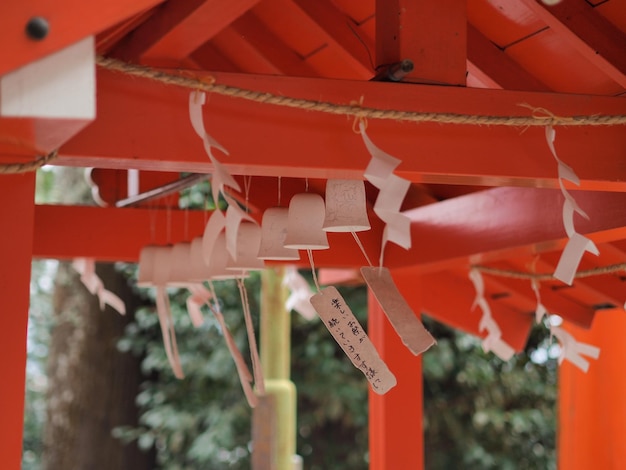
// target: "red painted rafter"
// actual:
[[152, 131], [339, 29], [180, 27], [69, 20], [431, 34], [271, 47], [449, 296], [483, 227], [596, 38], [243, 53], [492, 65]]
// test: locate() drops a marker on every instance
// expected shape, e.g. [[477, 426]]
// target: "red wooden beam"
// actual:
[[448, 297], [491, 64], [180, 27], [502, 222], [591, 412], [16, 216], [69, 22], [483, 226], [145, 125], [270, 46], [339, 29], [431, 34], [395, 419], [596, 38]]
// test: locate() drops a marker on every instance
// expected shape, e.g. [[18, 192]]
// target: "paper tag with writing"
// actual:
[[402, 318], [349, 334]]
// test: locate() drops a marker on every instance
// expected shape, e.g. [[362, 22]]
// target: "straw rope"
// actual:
[[610, 269], [14, 168], [540, 116]]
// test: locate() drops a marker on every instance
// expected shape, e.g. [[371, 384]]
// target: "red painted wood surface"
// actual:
[[16, 239], [395, 419], [431, 34], [484, 226], [179, 28], [69, 20], [151, 126], [592, 410]]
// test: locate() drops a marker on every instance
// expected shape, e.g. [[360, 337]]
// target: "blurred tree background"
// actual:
[[479, 412]]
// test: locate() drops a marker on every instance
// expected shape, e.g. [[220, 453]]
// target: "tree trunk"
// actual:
[[92, 386]]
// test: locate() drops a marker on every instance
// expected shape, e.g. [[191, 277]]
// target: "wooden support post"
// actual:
[[16, 239], [592, 409], [395, 419], [276, 363]]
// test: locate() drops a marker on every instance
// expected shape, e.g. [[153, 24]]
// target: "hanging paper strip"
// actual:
[[257, 370], [408, 327], [301, 292], [86, 267], [493, 342], [540, 310], [221, 177], [573, 350], [392, 190], [199, 296], [166, 322], [348, 333], [245, 377], [577, 243]]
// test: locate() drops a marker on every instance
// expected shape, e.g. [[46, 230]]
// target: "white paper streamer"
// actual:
[[245, 377], [540, 310], [86, 267], [392, 190], [199, 296], [221, 177], [577, 243], [166, 322], [573, 350], [301, 292], [493, 342]]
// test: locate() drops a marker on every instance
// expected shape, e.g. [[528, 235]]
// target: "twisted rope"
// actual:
[[14, 168], [540, 116], [610, 269]]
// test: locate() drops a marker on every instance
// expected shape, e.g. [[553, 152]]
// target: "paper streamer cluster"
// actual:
[[392, 190], [571, 349], [493, 342], [221, 177], [86, 267], [577, 243]]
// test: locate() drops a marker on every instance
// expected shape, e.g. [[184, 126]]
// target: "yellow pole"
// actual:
[[276, 363]]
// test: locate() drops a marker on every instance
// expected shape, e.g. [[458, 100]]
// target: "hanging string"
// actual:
[[247, 181], [152, 214], [242, 369], [358, 242], [279, 184], [187, 223], [310, 253], [168, 223], [306, 185], [254, 352]]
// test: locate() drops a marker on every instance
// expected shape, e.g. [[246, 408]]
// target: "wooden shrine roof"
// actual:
[[481, 194]]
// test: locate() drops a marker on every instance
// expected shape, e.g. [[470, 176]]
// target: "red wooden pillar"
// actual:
[[16, 240], [395, 419], [592, 406]]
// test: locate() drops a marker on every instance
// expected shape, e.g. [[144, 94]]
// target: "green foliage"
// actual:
[[483, 413], [202, 421]]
